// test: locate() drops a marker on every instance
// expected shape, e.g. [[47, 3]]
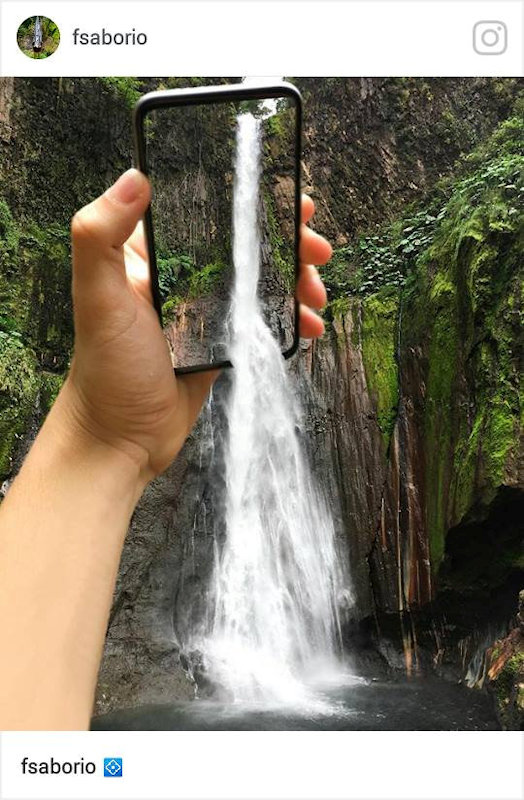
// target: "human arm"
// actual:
[[120, 419]]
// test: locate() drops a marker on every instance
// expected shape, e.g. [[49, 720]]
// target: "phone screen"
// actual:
[[190, 151]]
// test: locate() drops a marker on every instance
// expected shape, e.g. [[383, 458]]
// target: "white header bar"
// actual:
[[328, 37]]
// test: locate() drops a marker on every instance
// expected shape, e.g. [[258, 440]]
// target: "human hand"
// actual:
[[122, 389]]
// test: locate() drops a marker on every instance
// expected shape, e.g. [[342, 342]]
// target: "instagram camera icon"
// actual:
[[490, 38]]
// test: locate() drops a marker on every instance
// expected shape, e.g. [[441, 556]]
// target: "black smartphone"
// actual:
[[186, 143]]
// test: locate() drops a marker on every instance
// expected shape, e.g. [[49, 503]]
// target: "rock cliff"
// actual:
[[411, 400]]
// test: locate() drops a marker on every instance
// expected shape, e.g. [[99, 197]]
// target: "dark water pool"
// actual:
[[417, 704]]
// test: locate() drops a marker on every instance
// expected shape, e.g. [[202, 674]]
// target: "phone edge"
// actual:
[[208, 94]]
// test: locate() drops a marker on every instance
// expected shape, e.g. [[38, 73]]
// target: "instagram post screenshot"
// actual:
[[261, 360]]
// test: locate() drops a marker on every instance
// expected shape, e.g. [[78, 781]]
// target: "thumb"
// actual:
[[100, 229]]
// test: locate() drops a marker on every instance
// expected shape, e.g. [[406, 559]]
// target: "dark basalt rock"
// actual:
[[407, 520]]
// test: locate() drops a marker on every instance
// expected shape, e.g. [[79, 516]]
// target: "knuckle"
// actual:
[[84, 225]]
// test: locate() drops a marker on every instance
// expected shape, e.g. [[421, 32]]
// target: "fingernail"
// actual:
[[127, 188]]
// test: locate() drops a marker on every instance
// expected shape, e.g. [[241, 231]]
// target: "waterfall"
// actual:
[[276, 581]]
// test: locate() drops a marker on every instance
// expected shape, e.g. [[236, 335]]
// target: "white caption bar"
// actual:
[[244, 765], [206, 37]]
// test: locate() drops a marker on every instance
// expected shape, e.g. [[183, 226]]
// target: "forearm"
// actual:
[[62, 528]]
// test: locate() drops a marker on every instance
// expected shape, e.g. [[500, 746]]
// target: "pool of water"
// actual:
[[427, 703]]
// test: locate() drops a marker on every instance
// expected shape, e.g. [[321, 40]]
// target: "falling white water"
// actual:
[[276, 580]]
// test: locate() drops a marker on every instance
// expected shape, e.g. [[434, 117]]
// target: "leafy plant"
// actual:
[[9, 237], [202, 281], [491, 178], [173, 272], [379, 260], [179, 277], [128, 89]]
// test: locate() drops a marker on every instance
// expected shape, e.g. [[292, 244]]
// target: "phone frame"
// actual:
[[207, 95]]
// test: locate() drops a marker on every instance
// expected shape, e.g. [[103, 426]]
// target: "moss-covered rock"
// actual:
[[442, 354], [372, 146], [50, 385], [19, 386], [506, 675], [433, 291], [463, 312], [379, 341]]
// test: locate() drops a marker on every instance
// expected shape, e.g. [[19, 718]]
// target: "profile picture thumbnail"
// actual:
[[38, 37]]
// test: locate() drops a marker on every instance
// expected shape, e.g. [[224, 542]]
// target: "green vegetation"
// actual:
[[339, 307], [202, 281], [19, 386], [465, 290], [378, 333], [8, 237], [508, 685], [45, 257], [438, 289], [457, 267], [381, 259], [478, 251], [129, 90], [282, 255], [179, 280], [513, 669], [275, 125], [35, 318], [50, 385], [172, 269], [256, 107]]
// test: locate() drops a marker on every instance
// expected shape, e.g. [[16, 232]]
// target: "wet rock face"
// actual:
[[396, 477], [161, 597], [388, 141], [164, 596], [345, 448], [506, 680], [6, 93], [505, 673], [375, 449]]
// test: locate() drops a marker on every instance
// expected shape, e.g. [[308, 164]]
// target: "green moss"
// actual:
[[463, 302], [356, 324], [35, 318], [51, 383], [499, 438], [441, 311], [19, 386], [281, 251], [338, 308], [508, 688], [513, 670], [487, 443], [127, 89], [47, 324], [274, 125], [179, 278], [335, 314], [9, 237], [202, 281], [12, 301], [378, 336], [169, 308], [35, 287]]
